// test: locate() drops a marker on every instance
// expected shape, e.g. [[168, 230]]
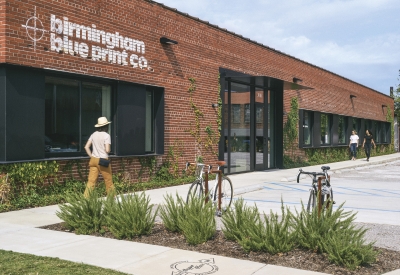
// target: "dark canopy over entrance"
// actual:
[[252, 121]]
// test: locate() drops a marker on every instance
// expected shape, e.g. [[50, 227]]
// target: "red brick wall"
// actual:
[[201, 51]]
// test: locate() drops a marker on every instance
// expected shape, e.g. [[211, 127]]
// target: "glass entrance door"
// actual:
[[246, 127], [240, 137], [261, 122]]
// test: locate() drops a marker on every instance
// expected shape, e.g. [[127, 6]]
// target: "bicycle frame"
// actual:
[[317, 189], [221, 189]]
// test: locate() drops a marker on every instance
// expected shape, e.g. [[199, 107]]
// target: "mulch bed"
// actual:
[[388, 260]]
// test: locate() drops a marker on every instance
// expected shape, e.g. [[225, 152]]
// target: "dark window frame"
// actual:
[[329, 127], [381, 128]]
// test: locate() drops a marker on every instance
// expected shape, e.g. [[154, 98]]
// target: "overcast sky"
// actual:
[[357, 39]]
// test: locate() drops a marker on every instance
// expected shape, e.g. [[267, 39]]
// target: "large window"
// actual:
[[356, 125], [246, 113], [307, 128], [377, 134], [72, 109], [342, 130], [368, 125], [325, 129], [385, 132], [235, 113]]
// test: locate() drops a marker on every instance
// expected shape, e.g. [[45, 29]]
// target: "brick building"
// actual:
[[63, 64]]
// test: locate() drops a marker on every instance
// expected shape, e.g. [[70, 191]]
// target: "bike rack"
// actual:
[[319, 194], [206, 185]]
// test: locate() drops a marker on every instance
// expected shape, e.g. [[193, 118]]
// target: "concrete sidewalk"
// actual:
[[19, 233]]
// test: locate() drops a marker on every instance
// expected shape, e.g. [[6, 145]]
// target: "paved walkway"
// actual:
[[19, 233]]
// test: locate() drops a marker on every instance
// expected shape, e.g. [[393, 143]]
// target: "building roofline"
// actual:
[[257, 43]]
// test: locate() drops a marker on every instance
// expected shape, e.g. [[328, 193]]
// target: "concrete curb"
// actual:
[[350, 168]]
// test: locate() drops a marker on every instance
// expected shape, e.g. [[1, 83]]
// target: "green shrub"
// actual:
[[171, 211], [197, 221], [236, 218], [84, 215], [313, 228], [132, 215], [347, 248], [334, 233], [272, 235]]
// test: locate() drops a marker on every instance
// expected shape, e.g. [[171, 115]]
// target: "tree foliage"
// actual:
[[396, 96]]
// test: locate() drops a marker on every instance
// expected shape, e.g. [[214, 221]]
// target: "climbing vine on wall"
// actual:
[[212, 137], [27, 175], [290, 128], [195, 127]]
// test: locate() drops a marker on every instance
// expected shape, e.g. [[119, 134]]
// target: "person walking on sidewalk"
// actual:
[[354, 144], [367, 143], [100, 141]]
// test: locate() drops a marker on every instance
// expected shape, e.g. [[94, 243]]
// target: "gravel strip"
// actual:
[[384, 235]]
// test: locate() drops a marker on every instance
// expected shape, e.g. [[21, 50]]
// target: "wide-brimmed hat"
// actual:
[[102, 121]]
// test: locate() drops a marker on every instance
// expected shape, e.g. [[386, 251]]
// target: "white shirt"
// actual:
[[354, 139], [99, 141]]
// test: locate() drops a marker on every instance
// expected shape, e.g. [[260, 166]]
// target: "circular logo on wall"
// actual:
[[202, 267], [34, 29]]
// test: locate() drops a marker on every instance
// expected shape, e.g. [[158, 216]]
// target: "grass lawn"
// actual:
[[12, 263]]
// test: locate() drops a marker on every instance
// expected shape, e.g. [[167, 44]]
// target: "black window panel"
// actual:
[[356, 125], [131, 116], [62, 115], [377, 132], [316, 136], [25, 114], [306, 120], [386, 135], [159, 116], [342, 126], [2, 114], [325, 129]]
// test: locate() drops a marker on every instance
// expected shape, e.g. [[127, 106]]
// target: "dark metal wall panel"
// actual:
[[159, 119], [25, 114], [221, 144], [277, 96], [131, 119], [2, 114]]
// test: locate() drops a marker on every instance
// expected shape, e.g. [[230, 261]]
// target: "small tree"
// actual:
[[396, 97]]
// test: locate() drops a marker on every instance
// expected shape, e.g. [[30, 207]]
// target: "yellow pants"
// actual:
[[94, 169]]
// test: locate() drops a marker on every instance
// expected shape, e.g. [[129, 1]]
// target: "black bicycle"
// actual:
[[326, 188]]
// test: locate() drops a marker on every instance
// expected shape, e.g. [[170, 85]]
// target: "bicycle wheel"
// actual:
[[328, 197], [311, 200], [226, 193], [195, 190]]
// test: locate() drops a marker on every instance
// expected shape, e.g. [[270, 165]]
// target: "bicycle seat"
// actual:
[[325, 168], [221, 163]]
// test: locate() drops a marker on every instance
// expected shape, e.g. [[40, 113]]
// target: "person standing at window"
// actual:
[[367, 144], [354, 144], [100, 141]]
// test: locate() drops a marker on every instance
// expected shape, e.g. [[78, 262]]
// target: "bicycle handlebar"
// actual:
[[194, 163], [324, 173]]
